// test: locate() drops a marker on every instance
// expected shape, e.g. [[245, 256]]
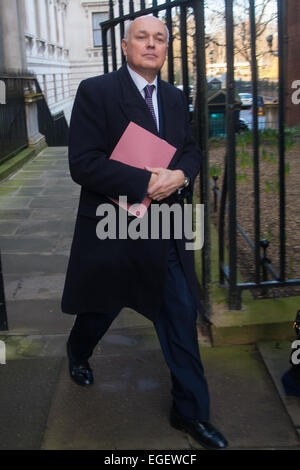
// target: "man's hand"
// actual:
[[164, 182]]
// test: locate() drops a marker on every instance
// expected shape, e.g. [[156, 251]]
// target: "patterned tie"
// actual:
[[148, 97]]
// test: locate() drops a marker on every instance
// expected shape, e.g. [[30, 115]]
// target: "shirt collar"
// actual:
[[140, 81]]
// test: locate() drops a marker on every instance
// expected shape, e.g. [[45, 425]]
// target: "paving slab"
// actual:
[[20, 263], [26, 175], [62, 246], [65, 182], [41, 286], [60, 213], [15, 202], [276, 355], [26, 389], [126, 408], [37, 316], [9, 227], [8, 214], [61, 190], [44, 316], [31, 191], [43, 163], [128, 405], [26, 181], [53, 202], [34, 171], [9, 190], [245, 401], [59, 174], [30, 244], [47, 228]]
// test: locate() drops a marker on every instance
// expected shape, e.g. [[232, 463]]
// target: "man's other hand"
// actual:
[[164, 182]]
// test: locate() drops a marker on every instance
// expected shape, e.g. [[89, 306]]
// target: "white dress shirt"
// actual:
[[140, 83]]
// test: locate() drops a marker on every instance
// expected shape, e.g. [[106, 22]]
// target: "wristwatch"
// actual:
[[185, 184]]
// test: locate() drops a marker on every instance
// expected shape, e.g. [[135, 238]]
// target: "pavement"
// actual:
[[128, 405]]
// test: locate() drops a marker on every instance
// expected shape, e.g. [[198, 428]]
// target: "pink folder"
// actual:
[[139, 147]]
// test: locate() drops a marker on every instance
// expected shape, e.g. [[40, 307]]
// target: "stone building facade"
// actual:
[[58, 40], [47, 52]]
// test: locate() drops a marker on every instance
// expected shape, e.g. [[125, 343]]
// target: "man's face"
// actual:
[[146, 46]]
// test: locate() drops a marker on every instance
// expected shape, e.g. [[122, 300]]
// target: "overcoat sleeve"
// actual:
[[89, 161]]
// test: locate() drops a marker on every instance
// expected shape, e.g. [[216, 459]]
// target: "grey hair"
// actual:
[[126, 33]]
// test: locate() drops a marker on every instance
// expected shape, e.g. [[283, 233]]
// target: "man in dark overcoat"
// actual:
[[154, 276]]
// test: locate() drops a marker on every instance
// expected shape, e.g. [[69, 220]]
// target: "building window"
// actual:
[[97, 18]]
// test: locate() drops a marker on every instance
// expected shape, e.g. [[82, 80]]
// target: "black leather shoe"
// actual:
[[203, 432], [80, 372]]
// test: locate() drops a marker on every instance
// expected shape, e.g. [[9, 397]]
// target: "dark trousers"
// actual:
[[177, 333]]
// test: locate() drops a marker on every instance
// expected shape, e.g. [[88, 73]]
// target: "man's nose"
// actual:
[[151, 42]]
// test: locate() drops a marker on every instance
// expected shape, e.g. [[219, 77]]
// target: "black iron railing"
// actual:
[[261, 262], [200, 125], [13, 131], [53, 126], [228, 194]]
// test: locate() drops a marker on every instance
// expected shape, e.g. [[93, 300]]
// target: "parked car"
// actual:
[[246, 99]]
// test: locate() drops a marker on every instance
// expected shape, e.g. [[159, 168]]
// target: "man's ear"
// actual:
[[124, 47]]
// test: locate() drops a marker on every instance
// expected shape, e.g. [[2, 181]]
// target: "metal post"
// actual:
[[131, 8], [201, 117], [154, 4], [112, 35], [234, 293], [222, 225], [170, 48], [104, 49], [255, 141], [184, 55], [215, 191], [121, 13], [281, 124]]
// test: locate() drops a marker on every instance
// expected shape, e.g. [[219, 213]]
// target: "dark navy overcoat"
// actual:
[[104, 275]]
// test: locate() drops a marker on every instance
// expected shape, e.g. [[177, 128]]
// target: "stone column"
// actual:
[[12, 35], [35, 139]]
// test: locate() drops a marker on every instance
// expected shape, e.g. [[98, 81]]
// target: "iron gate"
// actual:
[[201, 119], [227, 272]]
